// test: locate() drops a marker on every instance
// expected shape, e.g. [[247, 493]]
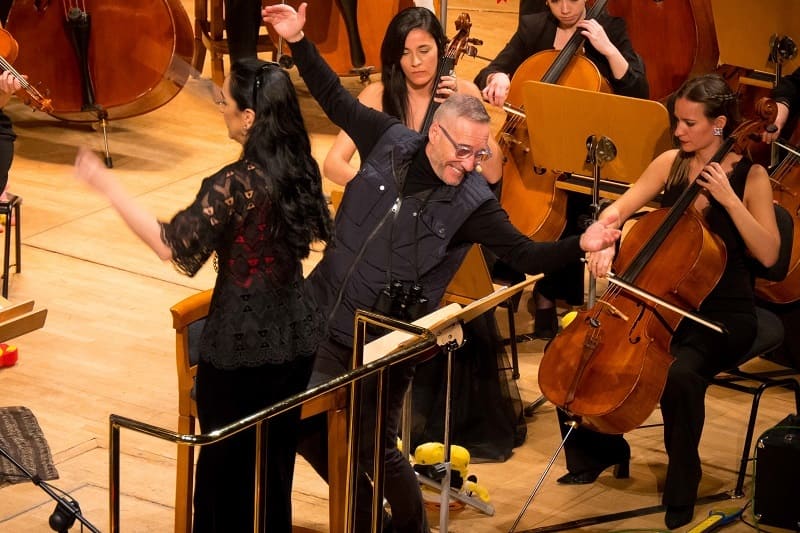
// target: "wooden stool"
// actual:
[[7, 207], [208, 35]]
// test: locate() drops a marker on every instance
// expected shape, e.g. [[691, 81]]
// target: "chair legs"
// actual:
[[184, 479], [10, 208]]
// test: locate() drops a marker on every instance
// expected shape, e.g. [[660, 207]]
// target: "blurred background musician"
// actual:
[[787, 98]]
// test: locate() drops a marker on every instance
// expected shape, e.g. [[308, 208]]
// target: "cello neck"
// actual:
[[571, 48], [446, 65], [676, 211]]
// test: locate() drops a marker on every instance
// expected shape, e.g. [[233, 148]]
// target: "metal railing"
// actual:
[[422, 344]]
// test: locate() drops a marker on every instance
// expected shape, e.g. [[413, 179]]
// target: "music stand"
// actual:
[[445, 323], [561, 119], [564, 123]]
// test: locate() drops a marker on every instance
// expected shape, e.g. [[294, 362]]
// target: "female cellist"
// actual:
[[609, 48], [736, 205], [412, 47]]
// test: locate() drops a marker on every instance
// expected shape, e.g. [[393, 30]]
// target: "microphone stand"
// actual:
[[67, 509]]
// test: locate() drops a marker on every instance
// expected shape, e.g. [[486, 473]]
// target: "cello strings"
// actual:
[[24, 84]]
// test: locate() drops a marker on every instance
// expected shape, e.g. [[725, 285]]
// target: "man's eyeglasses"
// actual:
[[465, 152]]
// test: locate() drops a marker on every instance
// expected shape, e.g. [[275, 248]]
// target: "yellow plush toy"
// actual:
[[432, 454]]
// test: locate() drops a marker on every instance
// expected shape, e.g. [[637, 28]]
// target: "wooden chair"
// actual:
[[769, 337], [11, 208], [187, 319], [209, 28], [474, 281]]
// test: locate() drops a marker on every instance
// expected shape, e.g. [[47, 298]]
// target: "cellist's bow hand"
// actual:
[[287, 22], [599, 263], [600, 235]]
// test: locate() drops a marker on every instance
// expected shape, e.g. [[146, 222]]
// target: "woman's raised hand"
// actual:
[[287, 22]]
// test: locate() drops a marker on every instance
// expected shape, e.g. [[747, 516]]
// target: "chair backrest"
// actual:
[[187, 318], [780, 269]]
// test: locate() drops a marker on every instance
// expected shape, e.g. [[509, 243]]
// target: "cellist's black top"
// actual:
[[734, 292]]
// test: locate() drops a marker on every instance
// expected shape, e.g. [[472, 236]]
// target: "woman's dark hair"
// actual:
[[278, 143], [717, 99], [395, 90], [715, 95]]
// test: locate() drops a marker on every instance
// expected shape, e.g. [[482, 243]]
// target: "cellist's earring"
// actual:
[[717, 131]]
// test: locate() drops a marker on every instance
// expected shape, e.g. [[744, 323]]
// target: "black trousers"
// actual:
[[225, 480], [699, 355], [242, 24], [401, 488], [567, 282]]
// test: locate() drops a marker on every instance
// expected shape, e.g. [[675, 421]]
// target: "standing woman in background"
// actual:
[[259, 216], [410, 53]]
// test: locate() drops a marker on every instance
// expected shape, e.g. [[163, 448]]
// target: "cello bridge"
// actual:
[[614, 310]]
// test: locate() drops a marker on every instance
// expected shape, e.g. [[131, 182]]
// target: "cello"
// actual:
[[609, 365], [658, 29], [459, 45], [525, 184]]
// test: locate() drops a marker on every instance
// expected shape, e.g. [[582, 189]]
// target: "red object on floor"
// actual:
[[8, 355]]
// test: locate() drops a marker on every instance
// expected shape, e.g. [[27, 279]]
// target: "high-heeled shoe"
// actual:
[[621, 470], [678, 515]]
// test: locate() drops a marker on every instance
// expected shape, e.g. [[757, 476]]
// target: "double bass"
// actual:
[[676, 39], [525, 184], [609, 365], [103, 60], [348, 33]]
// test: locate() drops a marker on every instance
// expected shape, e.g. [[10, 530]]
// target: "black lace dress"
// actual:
[[256, 344], [259, 311]]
